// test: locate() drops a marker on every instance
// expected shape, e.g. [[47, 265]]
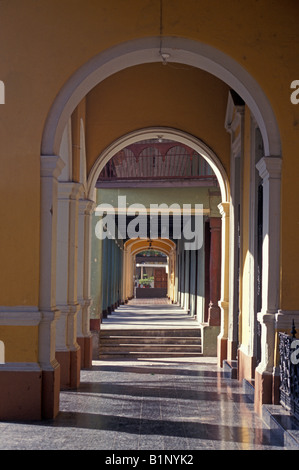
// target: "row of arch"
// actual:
[[208, 59], [61, 198]]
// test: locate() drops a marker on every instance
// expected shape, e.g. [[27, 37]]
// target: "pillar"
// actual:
[[266, 374], [187, 280], [223, 303], [214, 271], [84, 337], [105, 278], [51, 167], [68, 351], [200, 287]]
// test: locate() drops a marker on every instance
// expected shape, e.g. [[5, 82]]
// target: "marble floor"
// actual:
[[153, 405]]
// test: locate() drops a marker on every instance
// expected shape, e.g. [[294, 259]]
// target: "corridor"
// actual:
[[153, 404]]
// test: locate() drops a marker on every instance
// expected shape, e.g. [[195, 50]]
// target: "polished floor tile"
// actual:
[[175, 404]]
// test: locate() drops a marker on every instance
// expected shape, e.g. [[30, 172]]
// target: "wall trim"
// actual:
[[19, 316]]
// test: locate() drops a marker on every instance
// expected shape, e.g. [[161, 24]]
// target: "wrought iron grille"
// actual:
[[289, 372], [155, 160]]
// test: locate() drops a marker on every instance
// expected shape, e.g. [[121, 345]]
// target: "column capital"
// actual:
[[51, 165], [90, 206], [69, 190], [224, 209], [269, 167]]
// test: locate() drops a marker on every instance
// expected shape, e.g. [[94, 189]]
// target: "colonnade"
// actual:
[[198, 275]]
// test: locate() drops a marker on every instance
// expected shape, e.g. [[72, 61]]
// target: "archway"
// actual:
[[164, 133], [102, 66], [179, 50], [133, 247]]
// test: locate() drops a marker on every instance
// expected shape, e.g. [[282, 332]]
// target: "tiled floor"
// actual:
[[149, 404]]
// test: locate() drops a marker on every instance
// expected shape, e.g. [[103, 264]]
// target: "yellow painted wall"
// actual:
[[184, 98], [20, 342], [44, 42]]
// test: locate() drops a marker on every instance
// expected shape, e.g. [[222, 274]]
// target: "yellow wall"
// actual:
[[184, 98], [21, 343], [44, 43]]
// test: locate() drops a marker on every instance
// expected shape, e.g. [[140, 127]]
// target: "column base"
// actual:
[[266, 390], [246, 366], [221, 350], [20, 394], [95, 324], [209, 340], [85, 343], [214, 316], [50, 392], [70, 365], [232, 350]]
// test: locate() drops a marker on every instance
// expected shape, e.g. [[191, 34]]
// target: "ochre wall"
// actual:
[[148, 95], [21, 343], [44, 43]]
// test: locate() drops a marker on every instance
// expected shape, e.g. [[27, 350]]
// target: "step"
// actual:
[[133, 355], [110, 340], [150, 347], [155, 342], [185, 332]]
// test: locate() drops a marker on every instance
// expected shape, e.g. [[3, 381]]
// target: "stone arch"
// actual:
[[139, 51], [167, 133], [147, 50]]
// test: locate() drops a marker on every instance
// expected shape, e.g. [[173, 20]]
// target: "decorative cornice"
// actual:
[[269, 167], [284, 319], [19, 316], [86, 206], [20, 367], [51, 165], [224, 209]]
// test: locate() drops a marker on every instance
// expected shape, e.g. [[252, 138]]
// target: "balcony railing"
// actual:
[[289, 372]]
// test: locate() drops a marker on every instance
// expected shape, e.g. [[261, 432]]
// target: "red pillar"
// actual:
[[215, 271]]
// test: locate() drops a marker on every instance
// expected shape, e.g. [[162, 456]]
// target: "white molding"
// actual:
[[148, 50], [51, 166], [166, 133], [19, 316], [284, 319], [20, 367]]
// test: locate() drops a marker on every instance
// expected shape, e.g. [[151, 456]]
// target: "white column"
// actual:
[[224, 208], [125, 275], [89, 208], [73, 267], [62, 265], [270, 171], [51, 166], [80, 275]]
